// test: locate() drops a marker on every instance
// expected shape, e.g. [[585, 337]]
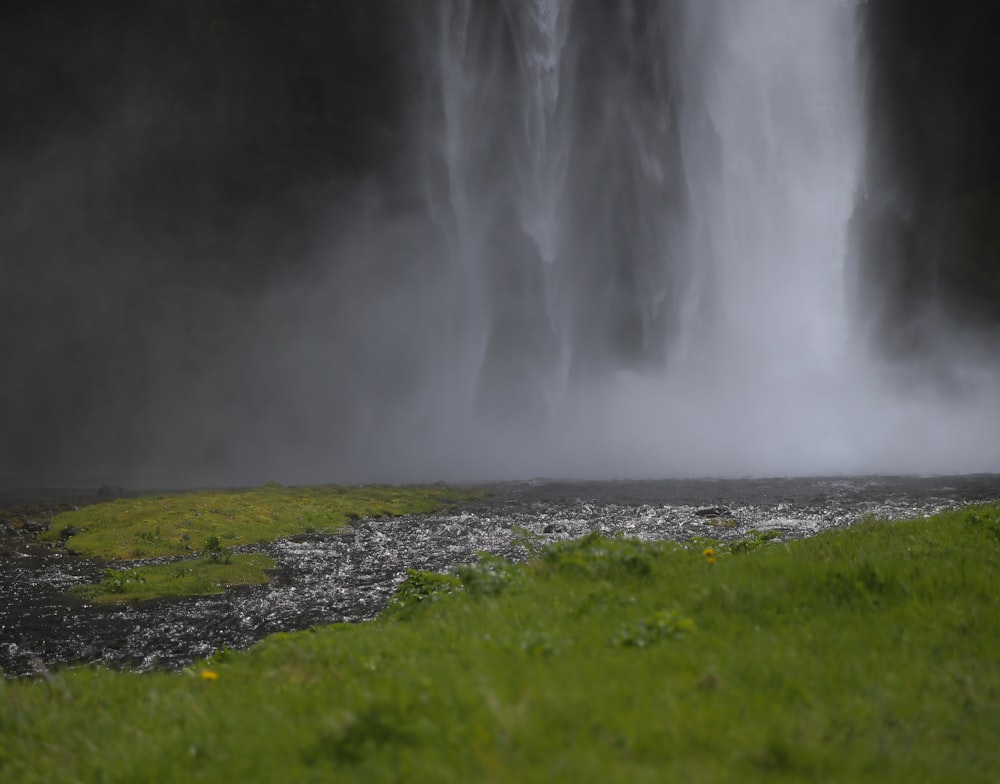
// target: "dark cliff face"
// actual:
[[166, 123], [935, 96], [930, 226], [162, 164]]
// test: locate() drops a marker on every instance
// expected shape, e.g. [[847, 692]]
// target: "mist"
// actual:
[[554, 238]]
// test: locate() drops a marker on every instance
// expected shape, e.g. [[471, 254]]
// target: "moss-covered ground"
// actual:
[[863, 655], [200, 529]]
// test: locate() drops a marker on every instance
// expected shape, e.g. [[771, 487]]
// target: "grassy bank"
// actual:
[[187, 577], [200, 529], [865, 655]]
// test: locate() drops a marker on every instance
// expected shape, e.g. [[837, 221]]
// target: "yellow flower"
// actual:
[[709, 554], [209, 675]]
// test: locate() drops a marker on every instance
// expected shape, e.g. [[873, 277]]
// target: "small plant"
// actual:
[[539, 644], [421, 586], [704, 542], [753, 541], [528, 539], [661, 625], [116, 580], [356, 735], [600, 557], [489, 577], [221, 656], [216, 552], [987, 522]]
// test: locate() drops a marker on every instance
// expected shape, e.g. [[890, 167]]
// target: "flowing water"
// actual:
[[349, 576]]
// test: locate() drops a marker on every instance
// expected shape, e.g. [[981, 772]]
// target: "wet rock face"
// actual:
[[350, 575]]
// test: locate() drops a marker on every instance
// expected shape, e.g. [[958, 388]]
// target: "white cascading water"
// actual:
[[646, 206], [772, 141], [774, 103]]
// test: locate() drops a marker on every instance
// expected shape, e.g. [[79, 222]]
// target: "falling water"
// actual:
[[771, 139], [646, 208]]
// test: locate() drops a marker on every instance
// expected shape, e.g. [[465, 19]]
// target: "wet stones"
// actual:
[[712, 511]]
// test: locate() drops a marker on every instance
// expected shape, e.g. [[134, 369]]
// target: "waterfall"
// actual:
[[772, 157], [640, 199], [772, 141]]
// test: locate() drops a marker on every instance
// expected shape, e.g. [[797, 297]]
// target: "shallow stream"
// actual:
[[350, 575]]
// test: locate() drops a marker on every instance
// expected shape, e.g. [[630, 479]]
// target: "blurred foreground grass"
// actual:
[[864, 655]]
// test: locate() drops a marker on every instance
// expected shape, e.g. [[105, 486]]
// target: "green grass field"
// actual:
[[865, 655]]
